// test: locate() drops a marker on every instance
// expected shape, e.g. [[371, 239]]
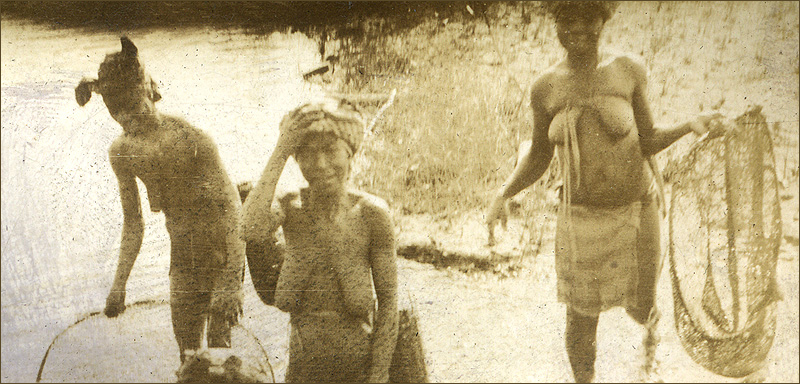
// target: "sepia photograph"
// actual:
[[400, 191]]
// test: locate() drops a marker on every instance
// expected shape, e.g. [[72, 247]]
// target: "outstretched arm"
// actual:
[[384, 274], [132, 234], [653, 139]]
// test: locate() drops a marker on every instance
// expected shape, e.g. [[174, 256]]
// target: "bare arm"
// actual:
[[652, 139], [227, 296], [530, 167], [264, 261], [132, 234], [535, 162], [278, 278], [293, 280], [532, 164], [384, 274], [259, 223]]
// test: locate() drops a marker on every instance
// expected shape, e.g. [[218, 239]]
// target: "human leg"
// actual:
[[221, 298], [188, 306], [646, 311], [581, 342], [219, 333]]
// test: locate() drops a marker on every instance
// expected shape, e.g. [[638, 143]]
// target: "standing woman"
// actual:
[[339, 245], [185, 178], [593, 109]]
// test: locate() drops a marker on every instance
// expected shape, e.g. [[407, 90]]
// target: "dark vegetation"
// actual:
[[313, 17]]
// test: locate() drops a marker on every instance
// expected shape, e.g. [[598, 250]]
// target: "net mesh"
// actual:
[[725, 232]]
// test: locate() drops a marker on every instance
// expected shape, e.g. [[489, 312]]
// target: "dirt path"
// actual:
[[476, 327], [482, 327], [61, 223]]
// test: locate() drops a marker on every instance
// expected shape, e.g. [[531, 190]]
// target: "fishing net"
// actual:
[[725, 232], [139, 346]]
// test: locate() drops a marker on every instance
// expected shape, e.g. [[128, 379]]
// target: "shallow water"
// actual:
[[62, 218]]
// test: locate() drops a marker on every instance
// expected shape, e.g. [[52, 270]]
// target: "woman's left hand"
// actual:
[[701, 125]]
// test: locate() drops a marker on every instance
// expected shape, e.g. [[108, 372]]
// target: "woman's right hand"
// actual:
[[289, 141], [498, 211], [292, 127], [115, 303]]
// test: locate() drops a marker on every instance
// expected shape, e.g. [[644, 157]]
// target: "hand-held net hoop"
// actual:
[[725, 233]]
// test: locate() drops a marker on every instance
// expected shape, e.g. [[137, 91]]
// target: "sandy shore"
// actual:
[[476, 327]]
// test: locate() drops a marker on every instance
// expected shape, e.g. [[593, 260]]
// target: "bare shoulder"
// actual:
[[121, 151], [178, 129], [175, 122], [545, 83], [120, 146], [628, 63], [178, 125], [373, 209], [369, 202], [375, 214]]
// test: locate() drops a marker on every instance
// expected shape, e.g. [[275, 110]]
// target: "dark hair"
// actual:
[[558, 9]]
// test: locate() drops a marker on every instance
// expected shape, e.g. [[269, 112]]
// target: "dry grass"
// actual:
[[451, 137]]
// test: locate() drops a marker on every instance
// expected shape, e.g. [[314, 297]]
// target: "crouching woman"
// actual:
[[339, 255]]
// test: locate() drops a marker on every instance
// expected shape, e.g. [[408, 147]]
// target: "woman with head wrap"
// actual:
[[339, 255], [184, 176], [592, 108]]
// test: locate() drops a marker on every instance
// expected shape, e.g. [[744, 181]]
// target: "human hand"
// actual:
[[293, 126], [498, 211], [701, 125], [115, 303]]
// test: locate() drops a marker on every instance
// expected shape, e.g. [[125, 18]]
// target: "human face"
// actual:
[[324, 160], [129, 104], [579, 33]]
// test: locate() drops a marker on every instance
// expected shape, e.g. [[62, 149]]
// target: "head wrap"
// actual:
[[604, 9], [338, 117]]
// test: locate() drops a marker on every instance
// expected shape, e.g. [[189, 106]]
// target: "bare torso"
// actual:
[[184, 176], [318, 246], [612, 169]]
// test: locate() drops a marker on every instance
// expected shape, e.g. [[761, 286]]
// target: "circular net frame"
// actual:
[[725, 233]]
